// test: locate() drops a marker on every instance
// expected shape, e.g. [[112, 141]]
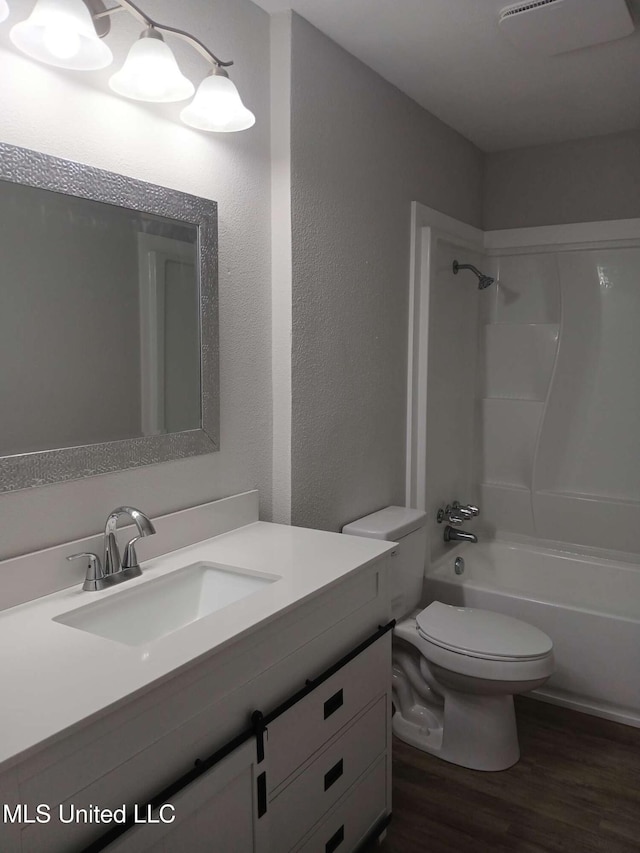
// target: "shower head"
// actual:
[[483, 280]]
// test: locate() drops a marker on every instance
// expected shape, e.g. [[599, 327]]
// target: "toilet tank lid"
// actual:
[[390, 523]]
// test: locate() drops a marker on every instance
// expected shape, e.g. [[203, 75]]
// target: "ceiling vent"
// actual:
[[550, 27]]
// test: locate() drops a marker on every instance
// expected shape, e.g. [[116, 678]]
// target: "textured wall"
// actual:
[[281, 273], [75, 116], [361, 152], [583, 181]]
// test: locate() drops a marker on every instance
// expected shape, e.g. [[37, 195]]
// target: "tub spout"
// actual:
[[453, 535]]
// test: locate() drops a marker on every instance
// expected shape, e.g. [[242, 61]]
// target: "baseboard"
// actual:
[[587, 706]]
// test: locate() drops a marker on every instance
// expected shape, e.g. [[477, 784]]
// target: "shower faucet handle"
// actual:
[[464, 511], [450, 514], [443, 512], [469, 511]]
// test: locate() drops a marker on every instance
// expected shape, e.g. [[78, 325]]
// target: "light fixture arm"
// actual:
[[143, 18]]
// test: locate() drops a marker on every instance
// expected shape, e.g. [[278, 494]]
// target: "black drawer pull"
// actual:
[[332, 704], [335, 841], [262, 794], [333, 775]]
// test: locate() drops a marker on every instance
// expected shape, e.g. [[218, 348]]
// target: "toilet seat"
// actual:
[[471, 662], [481, 634]]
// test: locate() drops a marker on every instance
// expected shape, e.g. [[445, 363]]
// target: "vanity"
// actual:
[[263, 725]]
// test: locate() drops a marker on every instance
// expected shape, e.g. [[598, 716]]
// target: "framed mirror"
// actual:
[[108, 322]]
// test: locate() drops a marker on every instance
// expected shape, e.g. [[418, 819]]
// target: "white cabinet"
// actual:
[[324, 739], [324, 748], [316, 773], [215, 812]]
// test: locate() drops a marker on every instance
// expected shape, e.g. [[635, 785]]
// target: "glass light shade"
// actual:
[[4, 10], [61, 33], [150, 73], [218, 107]]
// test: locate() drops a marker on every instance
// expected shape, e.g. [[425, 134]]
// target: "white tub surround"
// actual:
[[561, 411], [589, 606], [538, 423]]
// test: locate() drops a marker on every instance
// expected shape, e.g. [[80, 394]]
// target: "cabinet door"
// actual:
[[216, 813]]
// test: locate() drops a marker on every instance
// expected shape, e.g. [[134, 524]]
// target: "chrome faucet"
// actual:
[[112, 562], [114, 570], [457, 514], [453, 535]]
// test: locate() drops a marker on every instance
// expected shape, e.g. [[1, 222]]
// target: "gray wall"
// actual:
[[361, 153], [78, 118], [582, 181]]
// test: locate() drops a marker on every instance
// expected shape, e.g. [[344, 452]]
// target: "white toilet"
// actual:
[[455, 669]]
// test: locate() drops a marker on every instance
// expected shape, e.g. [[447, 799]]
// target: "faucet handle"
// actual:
[[469, 511], [464, 511], [453, 513], [94, 570], [130, 559]]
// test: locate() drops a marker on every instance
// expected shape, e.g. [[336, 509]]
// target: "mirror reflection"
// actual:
[[99, 322]]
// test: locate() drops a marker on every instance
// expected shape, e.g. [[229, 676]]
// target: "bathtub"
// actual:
[[589, 607]]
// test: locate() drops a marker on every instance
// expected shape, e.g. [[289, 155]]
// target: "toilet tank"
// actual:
[[406, 527]]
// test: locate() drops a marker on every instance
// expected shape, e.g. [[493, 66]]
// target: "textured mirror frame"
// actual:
[[21, 471]]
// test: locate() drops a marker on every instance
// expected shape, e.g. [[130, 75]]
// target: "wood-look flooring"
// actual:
[[576, 789]]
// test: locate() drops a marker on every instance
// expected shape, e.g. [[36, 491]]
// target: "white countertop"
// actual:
[[54, 676]]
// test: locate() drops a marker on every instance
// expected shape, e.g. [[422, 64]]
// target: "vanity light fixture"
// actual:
[[217, 106], [69, 33], [62, 33], [151, 73]]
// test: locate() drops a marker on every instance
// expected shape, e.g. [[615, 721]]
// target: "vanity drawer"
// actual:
[[299, 732], [314, 791], [355, 816]]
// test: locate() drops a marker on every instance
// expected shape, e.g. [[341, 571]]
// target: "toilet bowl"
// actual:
[[455, 669]]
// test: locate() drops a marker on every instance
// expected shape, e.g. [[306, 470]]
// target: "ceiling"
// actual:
[[450, 56]]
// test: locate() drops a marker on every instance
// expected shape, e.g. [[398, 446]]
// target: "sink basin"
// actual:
[[164, 605]]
